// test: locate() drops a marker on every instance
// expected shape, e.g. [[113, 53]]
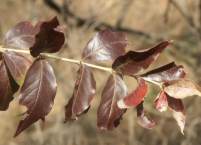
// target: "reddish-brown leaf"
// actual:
[[182, 88], [135, 97], [7, 87], [105, 45], [161, 103], [21, 36], [142, 119], [177, 108], [17, 65], [133, 61], [166, 73], [37, 93], [84, 92], [109, 114], [48, 39]]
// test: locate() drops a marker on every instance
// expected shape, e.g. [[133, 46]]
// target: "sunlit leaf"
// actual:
[[21, 36], [105, 45], [48, 39], [134, 61], [37, 93], [135, 97], [17, 65], [84, 92], [142, 119], [166, 73], [7, 87], [109, 114], [182, 88]]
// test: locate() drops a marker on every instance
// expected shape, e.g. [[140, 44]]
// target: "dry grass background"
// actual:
[[144, 15]]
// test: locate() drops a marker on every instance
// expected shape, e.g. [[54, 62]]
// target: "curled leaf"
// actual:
[[21, 36], [37, 93], [177, 108], [142, 119], [133, 61], [48, 39], [84, 92], [105, 45], [166, 73], [17, 65], [109, 114], [136, 97], [7, 87], [182, 89]]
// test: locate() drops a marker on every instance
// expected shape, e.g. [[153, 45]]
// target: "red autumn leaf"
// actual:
[[37, 93], [84, 92], [7, 87], [109, 114], [17, 65], [105, 45], [161, 103], [48, 39], [177, 108], [21, 36], [134, 61], [142, 119], [166, 73], [182, 88], [135, 97]]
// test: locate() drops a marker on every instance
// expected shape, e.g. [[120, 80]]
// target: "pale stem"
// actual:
[[108, 69]]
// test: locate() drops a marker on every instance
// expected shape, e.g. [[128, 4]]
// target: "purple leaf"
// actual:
[[105, 45], [133, 61], [7, 87], [109, 114], [21, 36], [17, 65], [37, 93], [166, 73], [84, 92], [49, 39]]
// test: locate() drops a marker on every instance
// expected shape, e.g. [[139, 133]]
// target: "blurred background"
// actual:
[[146, 23]]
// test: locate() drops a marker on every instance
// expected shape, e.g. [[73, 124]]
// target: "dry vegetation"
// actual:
[[149, 16]]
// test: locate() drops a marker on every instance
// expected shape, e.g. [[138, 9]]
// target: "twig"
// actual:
[[108, 69]]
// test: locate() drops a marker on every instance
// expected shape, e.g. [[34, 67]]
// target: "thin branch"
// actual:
[[107, 69]]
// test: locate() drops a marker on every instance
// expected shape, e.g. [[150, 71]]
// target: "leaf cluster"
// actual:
[[36, 82]]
